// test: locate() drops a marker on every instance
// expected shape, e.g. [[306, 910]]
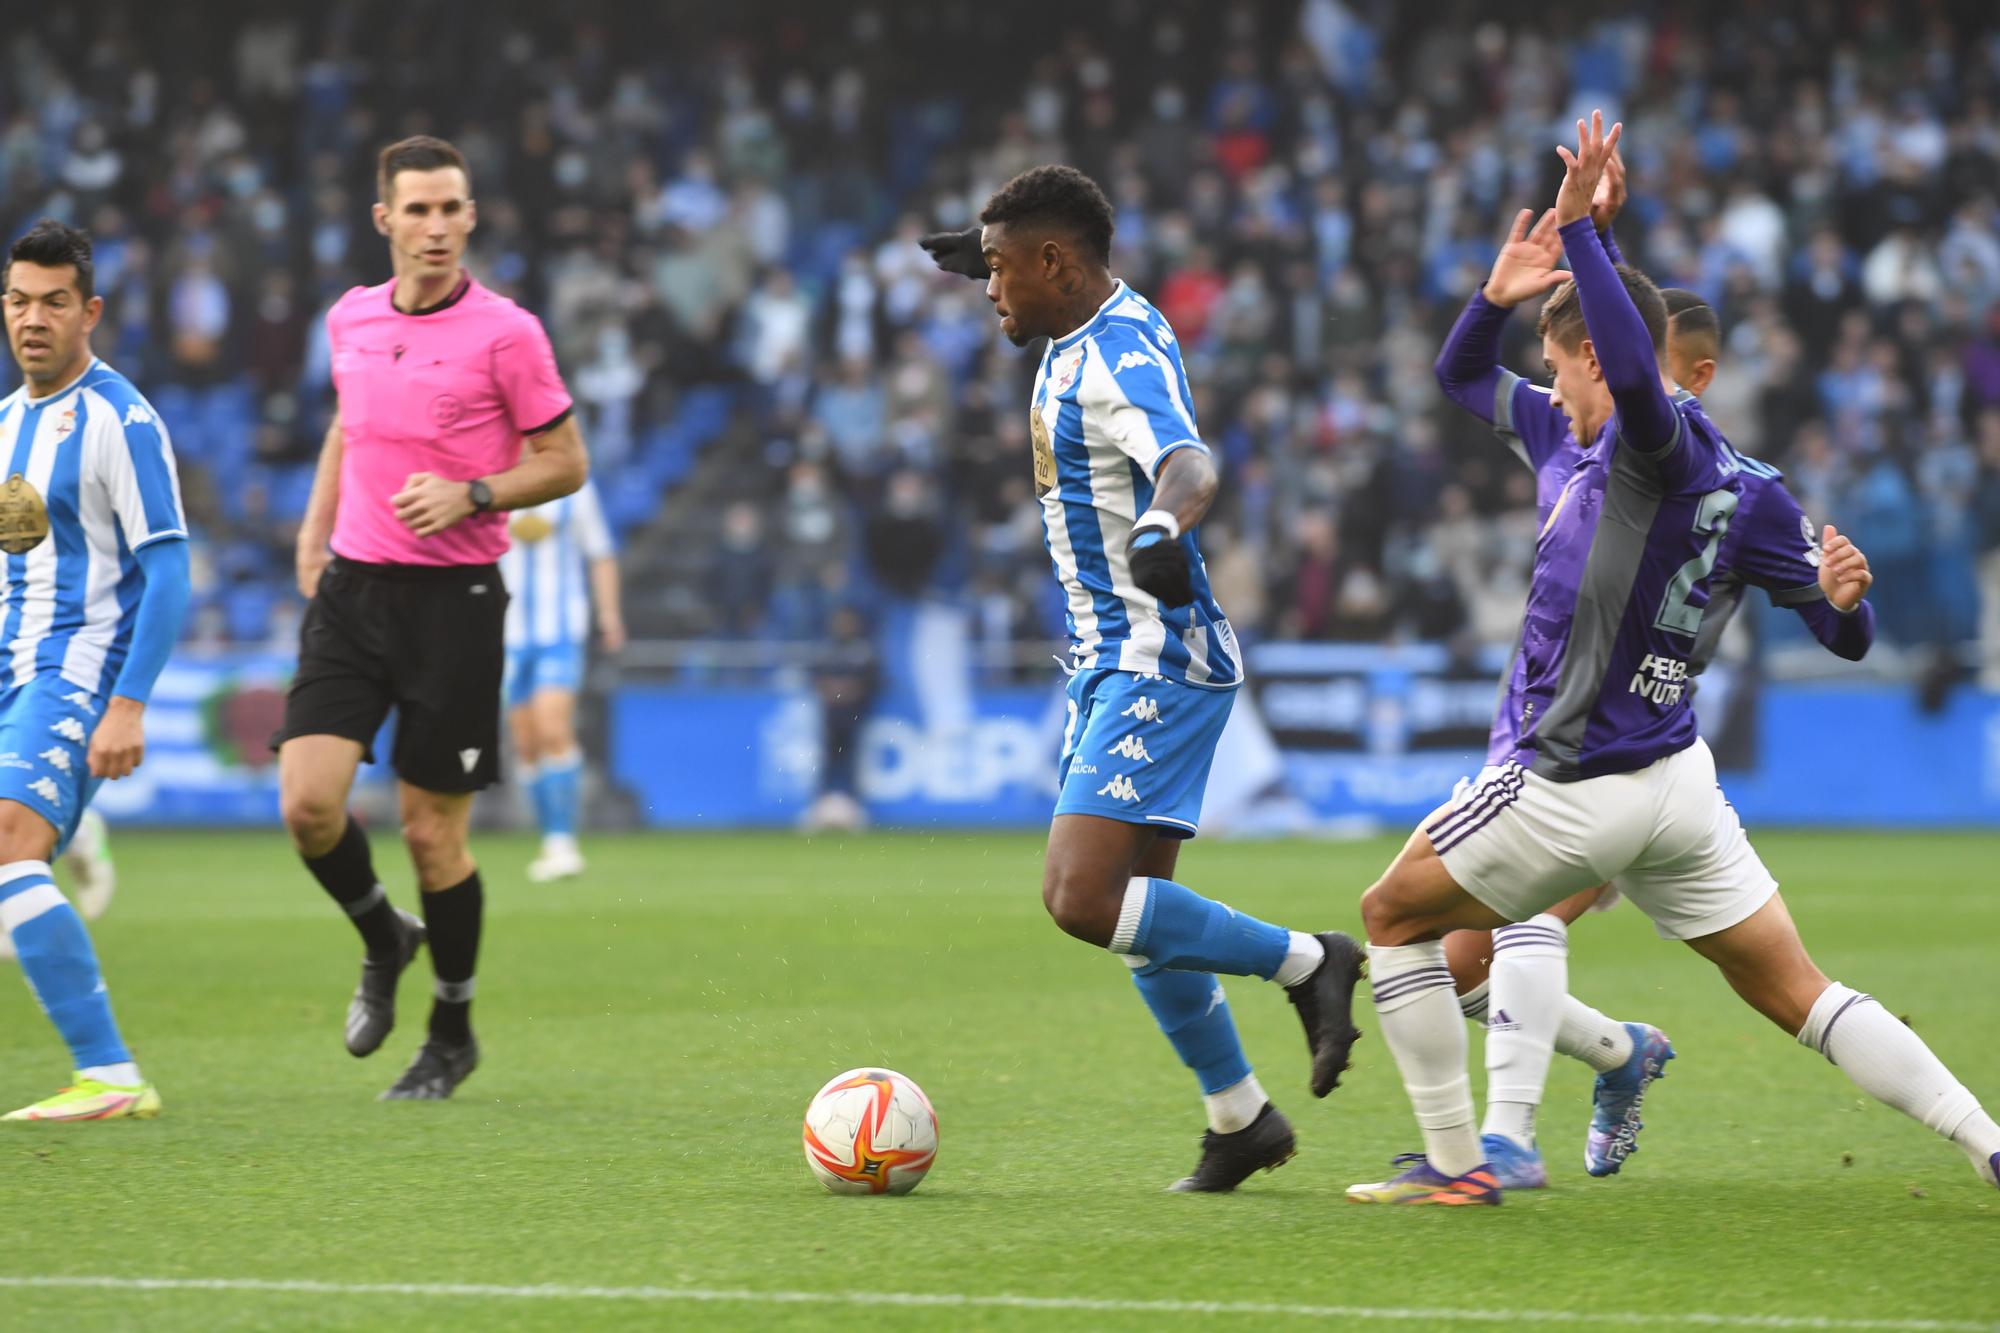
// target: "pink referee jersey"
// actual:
[[450, 390]]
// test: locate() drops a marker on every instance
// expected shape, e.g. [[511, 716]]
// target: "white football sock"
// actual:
[[1416, 1003], [1889, 1062], [125, 1074], [1302, 959], [1235, 1106], [1473, 1002], [1586, 1035], [1524, 1007]]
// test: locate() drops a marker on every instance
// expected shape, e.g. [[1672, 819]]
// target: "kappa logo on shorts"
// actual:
[[1132, 748], [46, 789], [470, 758], [1143, 710], [70, 730], [56, 758], [1120, 788], [82, 699]]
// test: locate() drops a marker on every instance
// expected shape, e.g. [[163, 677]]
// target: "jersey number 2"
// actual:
[[1712, 517]]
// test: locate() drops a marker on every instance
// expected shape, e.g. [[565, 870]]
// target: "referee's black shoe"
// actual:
[[1325, 1001], [371, 1015], [436, 1072], [1227, 1160]]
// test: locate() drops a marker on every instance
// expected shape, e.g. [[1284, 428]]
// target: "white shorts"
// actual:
[[1521, 844]]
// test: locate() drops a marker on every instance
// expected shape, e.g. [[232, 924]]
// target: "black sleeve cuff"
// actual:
[[552, 422]]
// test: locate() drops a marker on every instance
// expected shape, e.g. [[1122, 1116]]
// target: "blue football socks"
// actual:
[[562, 792], [1191, 1010], [1174, 927], [59, 964]]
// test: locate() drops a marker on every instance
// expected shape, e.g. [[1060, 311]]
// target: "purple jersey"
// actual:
[[1625, 605]]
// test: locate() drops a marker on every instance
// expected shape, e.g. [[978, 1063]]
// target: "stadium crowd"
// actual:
[[793, 417]]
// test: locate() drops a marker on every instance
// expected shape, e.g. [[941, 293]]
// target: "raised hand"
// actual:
[[1843, 570], [956, 252], [1587, 165], [1609, 200], [1527, 264]]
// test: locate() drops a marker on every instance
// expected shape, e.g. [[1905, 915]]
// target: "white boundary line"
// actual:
[[961, 1301]]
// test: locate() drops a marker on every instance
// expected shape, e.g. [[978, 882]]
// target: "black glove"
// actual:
[[1160, 564], [957, 252]]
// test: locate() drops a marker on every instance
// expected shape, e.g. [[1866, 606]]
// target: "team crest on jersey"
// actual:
[[24, 518], [66, 423], [1062, 373], [446, 409]]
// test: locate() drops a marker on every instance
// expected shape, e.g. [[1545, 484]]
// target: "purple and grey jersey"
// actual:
[[1620, 611]]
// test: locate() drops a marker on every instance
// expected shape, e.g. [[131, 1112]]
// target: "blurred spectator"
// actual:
[[790, 410]]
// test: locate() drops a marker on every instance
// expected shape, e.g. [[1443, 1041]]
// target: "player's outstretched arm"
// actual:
[[1182, 493], [1647, 421], [316, 527], [1468, 367], [118, 744], [957, 252]]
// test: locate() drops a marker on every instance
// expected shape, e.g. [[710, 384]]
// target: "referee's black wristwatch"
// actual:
[[481, 496]]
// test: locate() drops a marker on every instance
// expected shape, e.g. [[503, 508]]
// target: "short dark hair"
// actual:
[[419, 152], [1691, 316], [51, 244], [1562, 313], [1058, 196]]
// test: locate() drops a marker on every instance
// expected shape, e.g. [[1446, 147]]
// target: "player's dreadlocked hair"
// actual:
[[1562, 314], [51, 244], [1059, 196], [421, 152], [1692, 318]]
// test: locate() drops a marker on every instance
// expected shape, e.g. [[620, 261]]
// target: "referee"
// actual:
[[439, 380]]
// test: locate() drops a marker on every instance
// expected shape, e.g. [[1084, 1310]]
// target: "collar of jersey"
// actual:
[[458, 292], [66, 389], [1117, 294]]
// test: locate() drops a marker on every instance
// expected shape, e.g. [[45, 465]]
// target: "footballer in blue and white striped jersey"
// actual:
[[1111, 404], [93, 588], [545, 568], [561, 560], [101, 461]]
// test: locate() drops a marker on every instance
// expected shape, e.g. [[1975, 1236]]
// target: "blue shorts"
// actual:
[[534, 667], [1138, 748], [45, 727]]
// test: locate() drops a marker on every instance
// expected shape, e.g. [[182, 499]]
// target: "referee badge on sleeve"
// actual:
[[24, 518]]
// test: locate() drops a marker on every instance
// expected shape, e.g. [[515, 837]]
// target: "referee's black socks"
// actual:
[[453, 917], [347, 873]]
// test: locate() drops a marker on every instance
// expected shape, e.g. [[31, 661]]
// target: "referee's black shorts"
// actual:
[[427, 641]]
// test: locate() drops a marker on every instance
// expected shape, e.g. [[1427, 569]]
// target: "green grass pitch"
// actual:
[[652, 1034]]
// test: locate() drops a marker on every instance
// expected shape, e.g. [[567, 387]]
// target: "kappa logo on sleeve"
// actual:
[[137, 415], [1129, 360]]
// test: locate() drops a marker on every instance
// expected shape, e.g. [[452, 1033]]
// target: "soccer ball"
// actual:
[[870, 1131]]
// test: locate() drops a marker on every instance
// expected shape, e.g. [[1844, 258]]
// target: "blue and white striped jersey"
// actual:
[[100, 458], [545, 572], [1111, 403]]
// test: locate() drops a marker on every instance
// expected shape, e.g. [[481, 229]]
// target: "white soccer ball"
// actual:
[[870, 1131]]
